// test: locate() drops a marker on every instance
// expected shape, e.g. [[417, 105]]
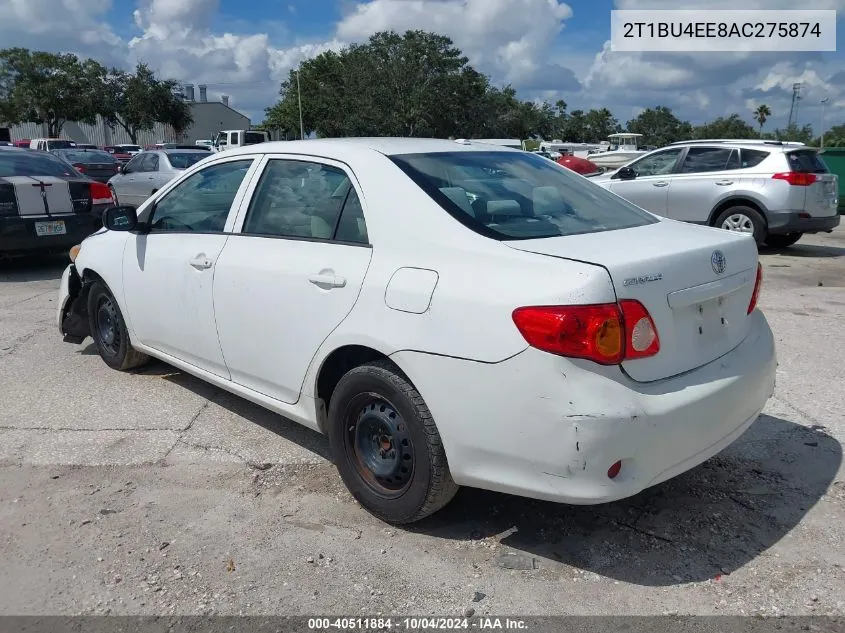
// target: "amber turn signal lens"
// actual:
[[74, 252]]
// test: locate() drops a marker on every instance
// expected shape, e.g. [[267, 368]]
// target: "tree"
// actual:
[[414, 84], [599, 124], [660, 127], [761, 115], [725, 127], [50, 88], [139, 100], [796, 134]]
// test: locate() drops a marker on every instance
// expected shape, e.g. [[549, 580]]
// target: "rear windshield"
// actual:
[[251, 138], [183, 160], [87, 156], [26, 163], [806, 160], [518, 195], [128, 148], [60, 144]]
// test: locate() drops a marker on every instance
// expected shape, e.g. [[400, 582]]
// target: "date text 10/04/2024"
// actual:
[[416, 624]]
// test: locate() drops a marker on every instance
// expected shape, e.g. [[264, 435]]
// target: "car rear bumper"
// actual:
[[793, 222], [18, 235], [546, 427]]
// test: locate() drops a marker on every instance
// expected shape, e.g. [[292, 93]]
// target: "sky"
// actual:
[[546, 49]]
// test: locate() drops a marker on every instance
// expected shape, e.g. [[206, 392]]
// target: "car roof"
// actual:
[[187, 150], [389, 146], [742, 144]]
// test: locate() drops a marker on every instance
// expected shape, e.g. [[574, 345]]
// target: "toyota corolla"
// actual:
[[447, 313]]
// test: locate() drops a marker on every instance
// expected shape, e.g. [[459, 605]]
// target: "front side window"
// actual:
[[706, 159], [657, 164], [201, 202], [300, 199], [134, 165], [517, 195]]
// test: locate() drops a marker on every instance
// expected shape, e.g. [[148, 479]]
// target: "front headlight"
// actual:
[[74, 252]]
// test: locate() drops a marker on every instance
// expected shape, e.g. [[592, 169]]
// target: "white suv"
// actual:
[[773, 190]]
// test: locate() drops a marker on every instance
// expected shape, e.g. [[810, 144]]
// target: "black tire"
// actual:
[[753, 216], [783, 240], [415, 480], [108, 329]]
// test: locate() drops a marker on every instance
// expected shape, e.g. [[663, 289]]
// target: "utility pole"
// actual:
[[796, 95], [824, 103], [299, 99]]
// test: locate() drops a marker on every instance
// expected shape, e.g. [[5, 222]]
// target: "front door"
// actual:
[[168, 271], [291, 275], [649, 190]]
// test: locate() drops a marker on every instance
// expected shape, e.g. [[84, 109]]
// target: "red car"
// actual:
[[579, 165]]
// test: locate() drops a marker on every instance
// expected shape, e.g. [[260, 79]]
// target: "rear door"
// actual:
[[650, 189], [291, 274], [706, 174], [821, 198]]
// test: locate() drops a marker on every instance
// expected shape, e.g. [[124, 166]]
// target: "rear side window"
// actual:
[[752, 157], [251, 138], [704, 159], [518, 195], [806, 160]]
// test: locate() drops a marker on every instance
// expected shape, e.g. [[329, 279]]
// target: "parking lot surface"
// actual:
[[154, 493]]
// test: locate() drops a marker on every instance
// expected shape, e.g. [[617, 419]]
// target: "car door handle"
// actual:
[[724, 183], [326, 279], [662, 183], [201, 262]]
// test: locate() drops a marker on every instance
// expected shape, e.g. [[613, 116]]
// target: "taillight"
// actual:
[[797, 178], [605, 333], [757, 284], [100, 193], [79, 167]]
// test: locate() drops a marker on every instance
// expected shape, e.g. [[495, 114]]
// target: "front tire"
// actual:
[[742, 219], [386, 446], [783, 240], [108, 329]]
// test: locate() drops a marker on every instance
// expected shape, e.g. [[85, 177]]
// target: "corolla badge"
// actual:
[[718, 262]]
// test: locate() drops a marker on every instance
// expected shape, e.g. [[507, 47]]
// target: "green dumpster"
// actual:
[[834, 158]]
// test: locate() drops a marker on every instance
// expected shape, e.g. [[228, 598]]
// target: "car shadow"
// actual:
[[703, 524], [805, 250], [33, 268], [700, 525]]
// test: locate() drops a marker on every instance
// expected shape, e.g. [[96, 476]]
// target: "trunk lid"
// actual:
[[696, 282], [821, 198], [41, 195]]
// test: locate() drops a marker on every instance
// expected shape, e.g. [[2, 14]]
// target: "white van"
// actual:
[[230, 139], [47, 144]]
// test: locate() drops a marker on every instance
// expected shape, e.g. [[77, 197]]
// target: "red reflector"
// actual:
[[606, 333], [796, 178], [614, 470], [757, 284], [100, 193]]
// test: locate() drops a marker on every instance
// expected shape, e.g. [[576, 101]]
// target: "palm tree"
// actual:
[[761, 114]]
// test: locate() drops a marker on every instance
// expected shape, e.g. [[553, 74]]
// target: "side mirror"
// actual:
[[123, 218], [626, 173], [121, 169]]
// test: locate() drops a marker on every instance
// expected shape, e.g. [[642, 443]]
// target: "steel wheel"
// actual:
[[380, 445], [738, 222], [108, 328]]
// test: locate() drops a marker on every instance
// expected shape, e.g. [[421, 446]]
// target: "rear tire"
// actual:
[[108, 329], [742, 219], [386, 446], [783, 240]]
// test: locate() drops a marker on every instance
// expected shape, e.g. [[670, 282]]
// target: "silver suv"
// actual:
[[773, 190]]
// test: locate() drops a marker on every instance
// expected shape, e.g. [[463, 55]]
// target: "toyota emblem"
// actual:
[[718, 262]]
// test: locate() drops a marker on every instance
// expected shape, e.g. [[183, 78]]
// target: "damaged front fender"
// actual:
[[73, 307]]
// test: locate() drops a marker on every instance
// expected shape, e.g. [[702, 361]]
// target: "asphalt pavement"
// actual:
[[155, 493]]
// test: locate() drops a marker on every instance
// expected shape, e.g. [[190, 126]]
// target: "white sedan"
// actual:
[[447, 313]]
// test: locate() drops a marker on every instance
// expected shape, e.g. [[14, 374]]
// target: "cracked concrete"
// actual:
[[101, 468]]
